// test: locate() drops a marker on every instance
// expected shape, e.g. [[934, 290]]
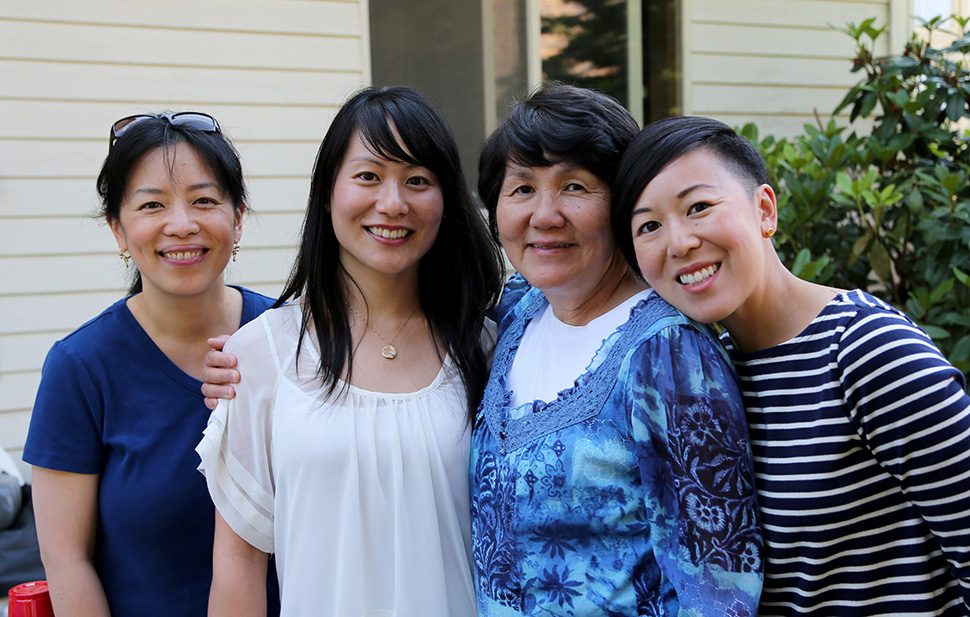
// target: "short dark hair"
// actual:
[[661, 143], [460, 276], [556, 123], [151, 133]]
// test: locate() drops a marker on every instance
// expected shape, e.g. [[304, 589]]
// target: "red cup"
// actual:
[[30, 600]]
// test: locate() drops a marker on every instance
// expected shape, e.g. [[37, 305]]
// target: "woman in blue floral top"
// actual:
[[611, 472]]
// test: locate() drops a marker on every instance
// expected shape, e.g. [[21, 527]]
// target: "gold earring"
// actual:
[[768, 232], [235, 250], [125, 257]]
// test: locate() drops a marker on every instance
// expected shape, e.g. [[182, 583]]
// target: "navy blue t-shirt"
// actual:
[[111, 403]]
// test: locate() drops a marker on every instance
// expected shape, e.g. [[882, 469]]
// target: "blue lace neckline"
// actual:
[[584, 399]]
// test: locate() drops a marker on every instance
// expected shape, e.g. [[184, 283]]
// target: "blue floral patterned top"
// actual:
[[630, 494]]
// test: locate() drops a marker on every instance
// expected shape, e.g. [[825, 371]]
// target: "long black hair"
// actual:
[[460, 276]]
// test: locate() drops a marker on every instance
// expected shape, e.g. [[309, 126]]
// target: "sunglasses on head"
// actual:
[[191, 119]]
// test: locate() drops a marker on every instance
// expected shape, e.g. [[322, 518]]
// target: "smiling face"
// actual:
[[554, 224], [698, 236], [177, 223], [385, 213]]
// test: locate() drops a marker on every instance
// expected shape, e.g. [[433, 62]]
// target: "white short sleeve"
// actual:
[[236, 447]]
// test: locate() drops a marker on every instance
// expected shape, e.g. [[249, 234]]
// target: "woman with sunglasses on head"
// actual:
[[124, 519], [345, 449], [860, 427]]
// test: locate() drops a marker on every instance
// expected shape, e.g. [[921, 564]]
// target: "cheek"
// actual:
[[505, 220]]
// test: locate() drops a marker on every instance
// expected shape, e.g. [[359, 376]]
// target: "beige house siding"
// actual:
[[776, 62], [272, 72]]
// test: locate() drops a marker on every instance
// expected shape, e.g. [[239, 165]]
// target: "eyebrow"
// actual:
[[194, 187], [684, 193], [381, 161], [525, 171], [691, 189]]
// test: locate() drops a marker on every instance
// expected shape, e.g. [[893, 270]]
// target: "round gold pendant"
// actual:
[[389, 352]]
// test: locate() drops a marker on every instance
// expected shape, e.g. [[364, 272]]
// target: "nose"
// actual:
[[391, 200], [181, 221], [681, 238], [548, 212]]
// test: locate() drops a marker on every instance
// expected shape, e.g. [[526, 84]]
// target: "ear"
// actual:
[[238, 225], [767, 204], [118, 233]]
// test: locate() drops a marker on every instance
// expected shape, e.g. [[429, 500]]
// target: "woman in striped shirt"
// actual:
[[860, 426]]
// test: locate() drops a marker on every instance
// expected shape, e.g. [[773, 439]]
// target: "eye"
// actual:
[[367, 176], [573, 187], [150, 205], [523, 189], [418, 181], [698, 207], [648, 227], [206, 201]]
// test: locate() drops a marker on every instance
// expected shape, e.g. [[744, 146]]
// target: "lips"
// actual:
[[388, 233], [693, 278], [549, 245]]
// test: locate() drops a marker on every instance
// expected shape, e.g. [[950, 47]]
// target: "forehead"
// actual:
[[560, 168], [176, 164]]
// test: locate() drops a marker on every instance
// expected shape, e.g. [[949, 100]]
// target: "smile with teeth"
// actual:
[[389, 234], [693, 278], [182, 255]]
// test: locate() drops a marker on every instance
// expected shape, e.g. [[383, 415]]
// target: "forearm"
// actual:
[[75, 589]]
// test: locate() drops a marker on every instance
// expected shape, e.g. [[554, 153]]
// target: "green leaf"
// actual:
[[941, 290], [961, 276], [936, 333], [914, 201], [880, 261], [961, 351]]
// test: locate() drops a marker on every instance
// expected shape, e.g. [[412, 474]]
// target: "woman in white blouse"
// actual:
[[345, 450]]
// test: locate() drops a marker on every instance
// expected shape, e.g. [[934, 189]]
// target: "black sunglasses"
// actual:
[[191, 119]]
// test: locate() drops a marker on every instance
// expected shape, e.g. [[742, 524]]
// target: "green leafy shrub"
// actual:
[[887, 210]]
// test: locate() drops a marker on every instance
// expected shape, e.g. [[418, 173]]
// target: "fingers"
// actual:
[[217, 342]]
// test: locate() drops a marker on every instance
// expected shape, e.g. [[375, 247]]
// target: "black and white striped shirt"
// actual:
[[860, 430]]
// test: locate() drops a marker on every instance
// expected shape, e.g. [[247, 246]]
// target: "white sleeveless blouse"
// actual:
[[362, 496]]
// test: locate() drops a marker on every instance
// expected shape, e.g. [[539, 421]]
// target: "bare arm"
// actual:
[[66, 507], [219, 373], [238, 575]]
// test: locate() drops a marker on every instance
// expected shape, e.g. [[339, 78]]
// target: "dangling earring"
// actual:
[[235, 250], [768, 232], [125, 257]]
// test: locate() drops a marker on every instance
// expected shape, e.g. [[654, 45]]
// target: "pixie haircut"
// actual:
[[149, 134], [557, 123], [660, 144], [460, 276]]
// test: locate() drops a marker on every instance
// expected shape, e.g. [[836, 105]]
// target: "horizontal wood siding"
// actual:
[[778, 63], [272, 72]]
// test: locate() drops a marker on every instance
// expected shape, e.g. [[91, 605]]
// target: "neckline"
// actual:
[[343, 385], [587, 395], [838, 299], [158, 356], [625, 307]]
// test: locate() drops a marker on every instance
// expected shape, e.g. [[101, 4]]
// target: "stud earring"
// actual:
[[235, 250], [125, 257], [768, 232]]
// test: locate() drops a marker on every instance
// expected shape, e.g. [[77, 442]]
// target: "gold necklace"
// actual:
[[389, 351]]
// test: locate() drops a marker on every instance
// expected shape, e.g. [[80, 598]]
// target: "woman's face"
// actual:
[[697, 232], [177, 222], [554, 224], [385, 213]]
